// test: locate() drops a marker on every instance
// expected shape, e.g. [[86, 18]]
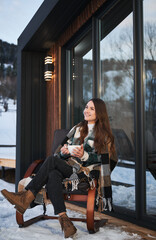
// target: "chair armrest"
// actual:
[[32, 167]]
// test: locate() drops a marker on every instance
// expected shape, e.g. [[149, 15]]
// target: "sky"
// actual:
[[15, 16]]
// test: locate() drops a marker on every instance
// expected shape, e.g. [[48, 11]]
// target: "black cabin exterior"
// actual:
[[87, 41]]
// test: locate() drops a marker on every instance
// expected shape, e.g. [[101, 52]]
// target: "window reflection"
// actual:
[[117, 90], [82, 76], [150, 102]]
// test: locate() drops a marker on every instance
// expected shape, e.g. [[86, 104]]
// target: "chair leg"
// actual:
[[22, 223], [90, 210], [92, 224], [19, 219]]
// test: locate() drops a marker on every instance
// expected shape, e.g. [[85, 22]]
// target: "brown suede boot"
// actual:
[[21, 200], [67, 226]]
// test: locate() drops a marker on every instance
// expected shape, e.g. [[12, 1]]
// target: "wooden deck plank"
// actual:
[[5, 162], [144, 233]]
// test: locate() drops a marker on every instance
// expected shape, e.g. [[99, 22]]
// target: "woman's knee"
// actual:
[[51, 161], [55, 174]]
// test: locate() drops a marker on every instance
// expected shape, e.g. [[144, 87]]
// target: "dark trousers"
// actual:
[[51, 174]]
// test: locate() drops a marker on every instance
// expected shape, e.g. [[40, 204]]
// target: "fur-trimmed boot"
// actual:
[[67, 226], [21, 200]]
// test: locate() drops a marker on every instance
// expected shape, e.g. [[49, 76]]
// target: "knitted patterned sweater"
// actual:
[[90, 158]]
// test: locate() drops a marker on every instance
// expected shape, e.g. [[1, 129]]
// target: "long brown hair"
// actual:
[[102, 131]]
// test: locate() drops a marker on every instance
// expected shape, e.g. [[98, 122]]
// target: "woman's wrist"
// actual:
[[85, 156]]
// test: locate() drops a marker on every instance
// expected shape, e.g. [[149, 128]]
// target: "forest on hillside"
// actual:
[[8, 72]]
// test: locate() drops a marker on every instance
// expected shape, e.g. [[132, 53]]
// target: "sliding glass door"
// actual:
[[82, 76]]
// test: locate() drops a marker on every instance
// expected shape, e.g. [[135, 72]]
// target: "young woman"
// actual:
[[96, 154]]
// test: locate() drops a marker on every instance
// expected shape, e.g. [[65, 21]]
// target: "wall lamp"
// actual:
[[48, 68]]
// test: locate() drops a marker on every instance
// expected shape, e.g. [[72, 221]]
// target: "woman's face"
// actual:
[[89, 113]]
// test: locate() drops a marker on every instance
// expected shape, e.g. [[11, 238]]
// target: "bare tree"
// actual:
[[150, 41], [122, 48]]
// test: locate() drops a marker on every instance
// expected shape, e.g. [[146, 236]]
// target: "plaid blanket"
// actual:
[[104, 163]]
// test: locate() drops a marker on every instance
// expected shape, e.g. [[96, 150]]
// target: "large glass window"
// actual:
[[150, 103], [112, 79], [117, 90], [82, 79]]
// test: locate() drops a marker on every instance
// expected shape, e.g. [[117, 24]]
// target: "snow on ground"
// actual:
[[125, 196], [49, 229], [122, 196], [8, 130]]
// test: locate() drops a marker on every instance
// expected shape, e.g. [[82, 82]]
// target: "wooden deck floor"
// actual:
[[144, 233]]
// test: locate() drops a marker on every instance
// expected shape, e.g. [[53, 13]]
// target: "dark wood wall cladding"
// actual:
[[84, 16], [54, 87]]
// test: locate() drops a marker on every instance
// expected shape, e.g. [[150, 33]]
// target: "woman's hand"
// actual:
[[78, 151], [64, 149]]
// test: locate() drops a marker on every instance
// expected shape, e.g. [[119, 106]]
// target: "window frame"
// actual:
[[110, 8]]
